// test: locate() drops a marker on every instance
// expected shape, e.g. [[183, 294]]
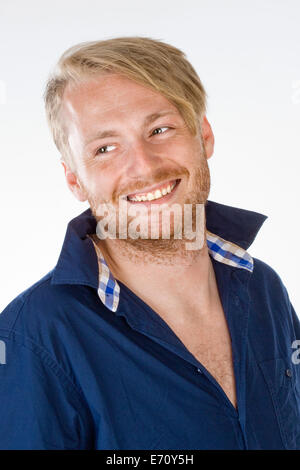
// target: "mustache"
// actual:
[[159, 176]]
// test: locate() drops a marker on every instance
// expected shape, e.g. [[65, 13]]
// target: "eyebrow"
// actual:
[[112, 133]]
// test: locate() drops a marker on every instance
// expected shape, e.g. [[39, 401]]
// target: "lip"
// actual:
[[152, 188], [160, 200]]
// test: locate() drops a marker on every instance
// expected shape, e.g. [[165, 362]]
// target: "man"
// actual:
[[146, 342]]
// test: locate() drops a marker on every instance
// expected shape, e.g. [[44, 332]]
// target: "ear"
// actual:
[[208, 137], [74, 183]]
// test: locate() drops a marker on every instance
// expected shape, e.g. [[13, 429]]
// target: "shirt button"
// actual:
[[199, 370], [288, 373]]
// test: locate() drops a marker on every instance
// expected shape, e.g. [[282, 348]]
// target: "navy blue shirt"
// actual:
[[74, 374]]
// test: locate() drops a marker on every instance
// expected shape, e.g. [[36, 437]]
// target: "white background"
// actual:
[[247, 56]]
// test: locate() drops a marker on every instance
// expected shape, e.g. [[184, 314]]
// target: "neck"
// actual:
[[179, 279]]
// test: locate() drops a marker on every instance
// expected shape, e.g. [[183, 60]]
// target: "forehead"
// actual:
[[110, 97]]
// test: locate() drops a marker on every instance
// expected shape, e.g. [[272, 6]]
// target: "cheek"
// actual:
[[187, 157], [99, 183], [196, 154], [186, 149]]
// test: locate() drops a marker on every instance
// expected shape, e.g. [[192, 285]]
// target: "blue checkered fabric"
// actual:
[[221, 250], [228, 253]]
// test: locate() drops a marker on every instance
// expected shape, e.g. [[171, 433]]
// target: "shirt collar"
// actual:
[[230, 232]]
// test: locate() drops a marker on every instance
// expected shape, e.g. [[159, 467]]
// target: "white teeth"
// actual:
[[154, 195]]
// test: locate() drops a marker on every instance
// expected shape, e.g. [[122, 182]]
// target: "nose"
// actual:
[[142, 159]]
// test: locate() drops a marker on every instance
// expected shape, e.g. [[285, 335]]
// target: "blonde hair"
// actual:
[[149, 62]]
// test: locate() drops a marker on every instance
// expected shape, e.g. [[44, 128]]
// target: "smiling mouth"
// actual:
[[158, 192]]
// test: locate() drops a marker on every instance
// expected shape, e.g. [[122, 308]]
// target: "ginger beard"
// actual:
[[159, 250]]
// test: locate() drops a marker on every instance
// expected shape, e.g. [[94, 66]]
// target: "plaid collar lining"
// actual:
[[221, 250]]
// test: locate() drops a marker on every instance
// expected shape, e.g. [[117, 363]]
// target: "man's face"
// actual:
[[129, 141]]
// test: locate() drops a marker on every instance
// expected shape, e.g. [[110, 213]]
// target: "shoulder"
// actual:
[[270, 297], [46, 317], [268, 281], [10, 314], [39, 302]]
